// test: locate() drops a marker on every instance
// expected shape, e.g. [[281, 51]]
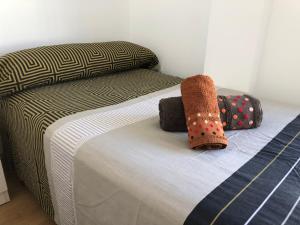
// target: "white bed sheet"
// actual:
[[170, 192]]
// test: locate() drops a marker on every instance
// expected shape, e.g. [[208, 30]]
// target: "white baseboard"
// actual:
[[4, 197]]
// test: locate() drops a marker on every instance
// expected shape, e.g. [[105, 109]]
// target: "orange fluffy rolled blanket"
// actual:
[[205, 129]]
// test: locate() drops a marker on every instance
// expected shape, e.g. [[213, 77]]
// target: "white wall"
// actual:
[[249, 45], [279, 75], [235, 38], [29, 23], [175, 30]]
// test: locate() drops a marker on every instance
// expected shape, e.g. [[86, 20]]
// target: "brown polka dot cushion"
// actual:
[[203, 121], [236, 112]]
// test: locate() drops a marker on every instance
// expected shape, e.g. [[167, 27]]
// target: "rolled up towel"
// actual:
[[171, 114], [247, 108], [203, 122]]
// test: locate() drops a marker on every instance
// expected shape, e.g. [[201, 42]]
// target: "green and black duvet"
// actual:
[[40, 86]]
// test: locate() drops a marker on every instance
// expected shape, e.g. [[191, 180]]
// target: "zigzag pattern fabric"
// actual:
[[53, 64], [26, 116]]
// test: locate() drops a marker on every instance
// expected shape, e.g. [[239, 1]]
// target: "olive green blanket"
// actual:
[[26, 115]]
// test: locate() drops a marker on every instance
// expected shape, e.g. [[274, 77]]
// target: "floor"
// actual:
[[23, 209]]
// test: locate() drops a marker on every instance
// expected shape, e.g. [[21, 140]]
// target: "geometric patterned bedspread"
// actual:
[[25, 116]]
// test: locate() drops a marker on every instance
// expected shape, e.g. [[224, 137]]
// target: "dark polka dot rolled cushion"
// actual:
[[240, 112], [203, 122]]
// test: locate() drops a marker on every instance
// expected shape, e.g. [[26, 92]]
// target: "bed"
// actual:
[[93, 147], [127, 170], [124, 73]]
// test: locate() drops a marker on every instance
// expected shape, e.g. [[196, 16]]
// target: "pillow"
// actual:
[[53, 64]]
